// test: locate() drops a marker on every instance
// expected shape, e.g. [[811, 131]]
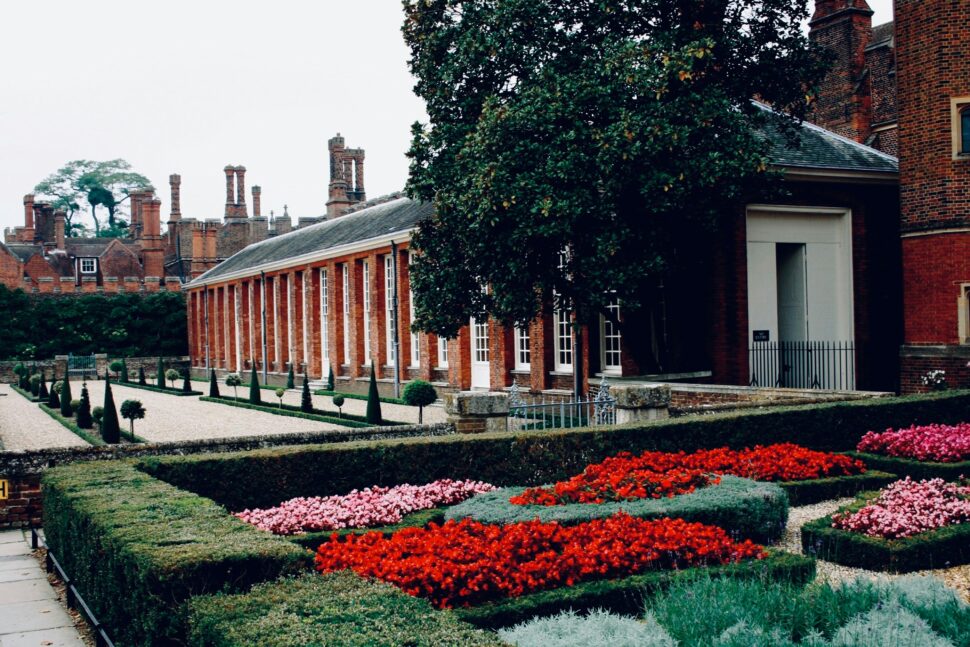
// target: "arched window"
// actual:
[[965, 130]]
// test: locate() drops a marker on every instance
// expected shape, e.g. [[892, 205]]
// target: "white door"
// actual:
[[480, 364]]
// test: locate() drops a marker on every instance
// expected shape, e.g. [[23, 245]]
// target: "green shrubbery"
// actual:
[[745, 508], [569, 629], [835, 487], [916, 470], [373, 399]]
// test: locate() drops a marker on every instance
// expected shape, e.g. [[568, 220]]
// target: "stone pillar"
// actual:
[[641, 402], [473, 412]]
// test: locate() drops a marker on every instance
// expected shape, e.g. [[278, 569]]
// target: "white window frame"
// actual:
[[958, 107], [304, 294], [346, 311], [92, 261], [365, 271], [611, 343], [415, 339], [523, 350], [389, 307], [442, 352], [324, 322]]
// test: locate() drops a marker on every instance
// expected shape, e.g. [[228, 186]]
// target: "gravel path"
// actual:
[[957, 577], [23, 426], [171, 418]]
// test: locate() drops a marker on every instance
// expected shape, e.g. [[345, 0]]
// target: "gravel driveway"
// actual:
[[23, 426]]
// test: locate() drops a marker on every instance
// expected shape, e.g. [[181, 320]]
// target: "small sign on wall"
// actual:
[[762, 335], [4, 489]]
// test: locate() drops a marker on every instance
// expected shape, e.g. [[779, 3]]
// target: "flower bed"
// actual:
[[935, 443], [907, 508], [373, 506], [626, 477], [906, 549], [466, 563], [742, 507]]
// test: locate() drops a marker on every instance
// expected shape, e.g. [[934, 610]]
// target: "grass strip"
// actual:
[[71, 426], [157, 389], [295, 412], [358, 396], [26, 394]]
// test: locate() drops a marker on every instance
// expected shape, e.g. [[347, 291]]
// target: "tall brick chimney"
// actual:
[[59, 218], [257, 194], [175, 182], [230, 191], [844, 104], [241, 211], [28, 231], [346, 177], [153, 254]]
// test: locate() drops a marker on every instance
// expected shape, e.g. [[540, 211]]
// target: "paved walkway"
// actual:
[[30, 613], [23, 426]]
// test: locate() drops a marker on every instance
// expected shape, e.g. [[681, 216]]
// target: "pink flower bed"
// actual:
[[907, 508], [940, 443], [373, 506]]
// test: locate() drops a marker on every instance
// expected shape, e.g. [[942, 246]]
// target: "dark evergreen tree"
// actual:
[[84, 420], [124, 371], [53, 401], [290, 378], [186, 382], [213, 384], [306, 402], [110, 429], [160, 374], [254, 388], [141, 376], [42, 387], [66, 399], [330, 378], [373, 399]]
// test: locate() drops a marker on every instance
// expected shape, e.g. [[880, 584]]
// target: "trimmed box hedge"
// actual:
[[263, 478], [625, 596], [941, 548], [290, 411], [137, 548], [419, 519], [746, 509], [913, 468], [157, 389], [333, 609], [835, 487], [86, 435], [26, 394], [359, 396]]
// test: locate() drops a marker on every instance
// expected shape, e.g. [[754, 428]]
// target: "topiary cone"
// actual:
[[66, 397], [306, 402], [254, 388], [213, 384], [290, 378], [110, 430], [373, 399], [83, 414]]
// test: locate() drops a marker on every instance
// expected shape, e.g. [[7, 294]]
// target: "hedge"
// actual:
[[835, 487], [744, 508], [263, 478], [358, 396], [71, 426], [419, 519], [333, 609], [137, 548], [913, 468], [625, 596], [157, 389], [26, 394], [941, 548], [290, 412]]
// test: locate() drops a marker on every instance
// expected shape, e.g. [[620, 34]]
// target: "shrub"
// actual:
[[124, 372], [214, 384], [232, 380], [54, 400], [419, 393], [132, 410], [254, 397], [110, 429], [373, 399], [744, 508], [279, 396], [160, 374], [124, 536], [597, 628], [84, 419], [172, 375], [117, 367], [74, 405], [97, 415], [186, 382], [888, 625], [913, 468], [329, 386], [290, 377], [42, 393], [338, 401], [306, 401], [141, 376], [940, 443], [65, 395], [35, 384], [333, 609]]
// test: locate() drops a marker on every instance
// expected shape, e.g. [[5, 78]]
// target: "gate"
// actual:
[[803, 364], [83, 366], [533, 414]]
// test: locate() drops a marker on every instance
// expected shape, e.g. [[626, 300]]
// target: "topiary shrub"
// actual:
[[160, 374], [65, 396], [117, 367], [419, 393], [186, 382], [110, 429], [74, 405], [172, 375], [232, 380], [53, 400], [213, 384], [279, 396], [306, 401], [290, 378], [35, 384], [254, 396], [338, 401], [42, 392], [141, 376], [373, 399], [132, 410], [124, 371], [97, 414], [329, 378], [84, 419]]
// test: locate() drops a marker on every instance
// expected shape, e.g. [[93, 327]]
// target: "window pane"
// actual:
[[965, 131]]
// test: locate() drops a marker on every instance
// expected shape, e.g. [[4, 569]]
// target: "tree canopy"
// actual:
[[578, 149], [94, 185]]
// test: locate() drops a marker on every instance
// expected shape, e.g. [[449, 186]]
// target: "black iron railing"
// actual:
[[803, 364]]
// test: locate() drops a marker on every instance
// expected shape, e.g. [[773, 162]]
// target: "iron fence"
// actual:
[[527, 413], [803, 364], [84, 366]]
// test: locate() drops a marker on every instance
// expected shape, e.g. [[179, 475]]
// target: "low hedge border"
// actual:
[[836, 487], [913, 468], [942, 548], [625, 596], [137, 548], [263, 478], [71, 426], [333, 609], [358, 396], [290, 412], [318, 412], [26, 394], [419, 519], [744, 508], [157, 389]]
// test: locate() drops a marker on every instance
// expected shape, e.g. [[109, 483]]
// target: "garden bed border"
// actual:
[[913, 468]]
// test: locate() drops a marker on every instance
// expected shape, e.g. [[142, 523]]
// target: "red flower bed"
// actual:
[[626, 477], [465, 563]]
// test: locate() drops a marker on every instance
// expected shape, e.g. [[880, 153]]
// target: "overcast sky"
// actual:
[[189, 86]]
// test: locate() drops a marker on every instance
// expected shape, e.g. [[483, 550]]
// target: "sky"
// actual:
[[188, 86]]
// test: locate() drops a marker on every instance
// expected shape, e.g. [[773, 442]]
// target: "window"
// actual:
[[610, 341], [345, 270], [965, 130], [960, 114], [415, 338], [389, 305], [324, 323], [442, 352], [564, 341], [366, 286], [523, 353], [89, 265], [481, 340]]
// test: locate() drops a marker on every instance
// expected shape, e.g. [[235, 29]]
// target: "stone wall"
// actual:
[[700, 398]]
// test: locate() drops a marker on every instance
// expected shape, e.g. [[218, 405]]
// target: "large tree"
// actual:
[[103, 185], [577, 150]]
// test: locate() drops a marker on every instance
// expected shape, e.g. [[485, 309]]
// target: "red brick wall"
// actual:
[[23, 505], [935, 266]]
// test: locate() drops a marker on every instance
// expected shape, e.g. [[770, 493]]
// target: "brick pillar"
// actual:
[[500, 359], [257, 323], [475, 413], [191, 313], [295, 284], [230, 197], [241, 211], [29, 231], [59, 218], [257, 195], [232, 308], [333, 317], [311, 300], [539, 345], [175, 184], [272, 323]]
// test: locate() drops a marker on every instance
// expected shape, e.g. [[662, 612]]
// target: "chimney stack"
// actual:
[[257, 193], [241, 210], [346, 177], [175, 182], [230, 192], [28, 231], [59, 218]]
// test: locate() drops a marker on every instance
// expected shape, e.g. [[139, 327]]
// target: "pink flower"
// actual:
[[907, 508], [940, 443]]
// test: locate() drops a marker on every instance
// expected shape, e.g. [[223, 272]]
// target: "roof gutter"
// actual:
[[312, 257], [820, 174]]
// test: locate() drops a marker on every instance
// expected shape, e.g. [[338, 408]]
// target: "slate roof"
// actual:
[[24, 251], [882, 33], [395, 216]]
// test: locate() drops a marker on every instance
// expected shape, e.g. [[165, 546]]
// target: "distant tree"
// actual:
[[233, 380], [132, 410], [290, 378], [172, 375], [373, 399], [124, 371], [330, 378], [83, 414], [419, 393], [254, 396], [65, 396], [213, 384], [110, 430], [279, 395], [338, 401], [306, 401]]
